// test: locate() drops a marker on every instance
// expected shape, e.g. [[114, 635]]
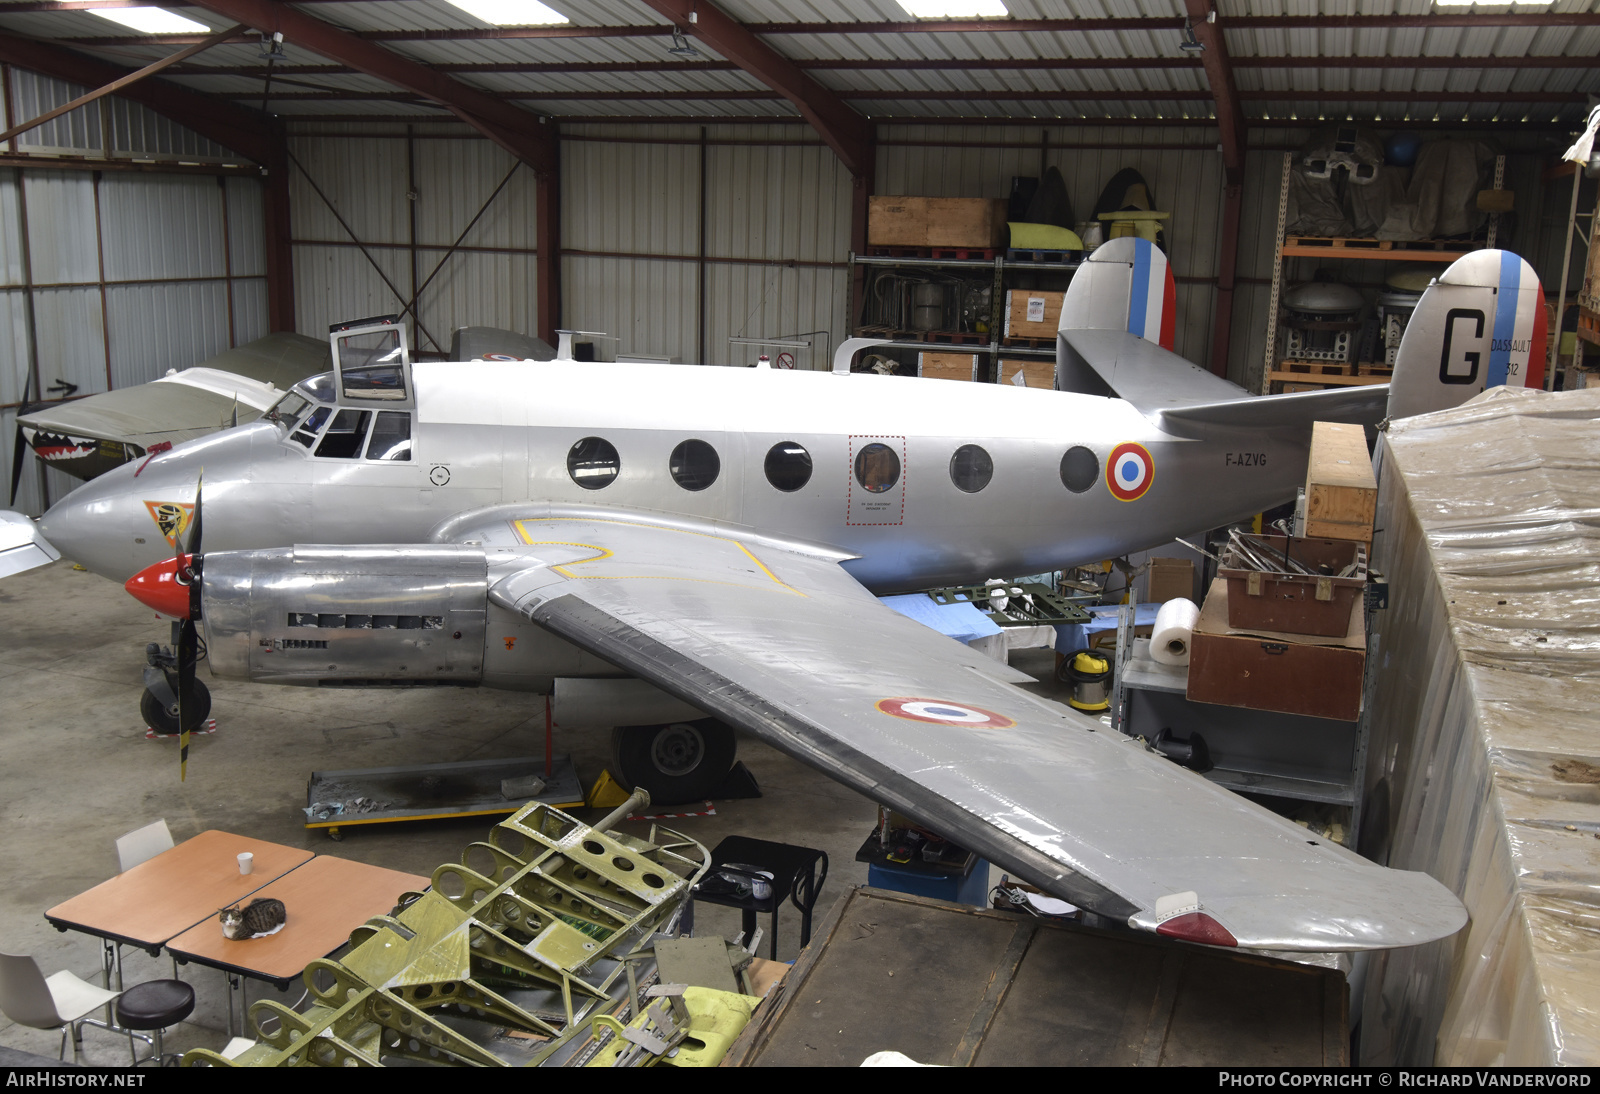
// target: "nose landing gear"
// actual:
[[158, 703]]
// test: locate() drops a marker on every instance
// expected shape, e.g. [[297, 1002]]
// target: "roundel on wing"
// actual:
[[500, 357], [943, 712], [1129, 471]]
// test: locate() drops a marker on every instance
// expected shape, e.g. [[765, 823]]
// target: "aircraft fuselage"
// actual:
[[489, 433]]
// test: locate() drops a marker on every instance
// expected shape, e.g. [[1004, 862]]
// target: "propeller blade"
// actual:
[[194, 524], [21, 448], [17, 455], [188, 637], [188, 651]]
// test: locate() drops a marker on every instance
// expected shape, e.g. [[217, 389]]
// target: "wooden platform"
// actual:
[[1384, 250], [1312, 375], [971, 254], [951, 984], [932, 337]]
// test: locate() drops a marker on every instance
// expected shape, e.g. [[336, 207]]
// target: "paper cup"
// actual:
[[247, 862]]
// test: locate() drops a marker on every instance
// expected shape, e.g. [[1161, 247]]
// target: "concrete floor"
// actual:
[[76, 771]]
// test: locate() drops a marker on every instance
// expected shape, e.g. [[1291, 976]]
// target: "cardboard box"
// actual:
[[1263, 670], [948, 366], [1033, 313], [1341, 492], [976, 223], [1038, 373], [1170, 578]]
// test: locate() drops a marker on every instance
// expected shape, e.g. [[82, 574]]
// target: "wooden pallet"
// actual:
[[1017, 254], [1029, 343], [985, 254], [1308, 369], [1303, 381], [933, 337], [1589, 326], [1434, 250]]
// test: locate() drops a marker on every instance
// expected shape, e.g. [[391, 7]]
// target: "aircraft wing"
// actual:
[[783, 643]]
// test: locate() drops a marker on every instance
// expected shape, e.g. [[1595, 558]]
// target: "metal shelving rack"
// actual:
[[1393, 254], [999, 265]]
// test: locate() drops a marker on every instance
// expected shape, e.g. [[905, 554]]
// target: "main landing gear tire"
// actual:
[[165, 721], [676, 762]]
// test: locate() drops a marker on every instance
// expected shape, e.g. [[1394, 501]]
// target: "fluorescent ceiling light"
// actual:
[[512, 13], [955, 9], [151, 20]]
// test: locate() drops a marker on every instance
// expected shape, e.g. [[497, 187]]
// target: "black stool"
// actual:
[[153, 1005], [794, 875]]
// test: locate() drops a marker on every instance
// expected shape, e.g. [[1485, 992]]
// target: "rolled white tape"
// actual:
[[1169, 638]]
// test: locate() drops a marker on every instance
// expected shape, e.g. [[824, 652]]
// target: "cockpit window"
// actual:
[[372, 364], [391, 436], [286, 412], [307, 433], [344, 436], [319, 387]]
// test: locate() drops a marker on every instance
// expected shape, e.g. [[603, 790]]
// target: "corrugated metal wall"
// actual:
[[109, 278]]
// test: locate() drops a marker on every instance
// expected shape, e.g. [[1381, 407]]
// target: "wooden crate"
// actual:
[[1032, 313], [1341, 493], [1036, 372], [936, 222], [1170, 578], [1589, 287], [947, 366]]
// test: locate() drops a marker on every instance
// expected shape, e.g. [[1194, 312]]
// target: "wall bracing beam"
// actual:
[[1231, 137], [848, 133], [522, 134], [252, 135], [118, 84], [529, 137]]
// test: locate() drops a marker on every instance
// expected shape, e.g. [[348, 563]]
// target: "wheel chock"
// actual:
[[606, 793]]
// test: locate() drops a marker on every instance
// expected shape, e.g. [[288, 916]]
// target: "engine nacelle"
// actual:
[[370, 616]]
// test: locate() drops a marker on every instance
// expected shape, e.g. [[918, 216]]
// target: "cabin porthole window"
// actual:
[[877, 468], [1080, 469], [971, 468], [788, 466], [694, 465], [593, 463]]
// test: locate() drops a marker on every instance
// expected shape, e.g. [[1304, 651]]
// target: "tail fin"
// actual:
[[1480, 324], [1125, 284]]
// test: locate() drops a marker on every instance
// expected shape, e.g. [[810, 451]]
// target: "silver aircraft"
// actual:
[[684, 550]]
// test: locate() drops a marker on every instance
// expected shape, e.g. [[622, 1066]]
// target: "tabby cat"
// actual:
[[260, 916]]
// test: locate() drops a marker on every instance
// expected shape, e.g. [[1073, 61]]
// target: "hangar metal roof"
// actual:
[[1411, 61]]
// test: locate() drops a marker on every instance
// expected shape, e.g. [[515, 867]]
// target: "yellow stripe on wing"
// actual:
[[603, 554]]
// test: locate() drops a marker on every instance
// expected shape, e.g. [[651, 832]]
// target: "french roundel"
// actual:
[[1129, 471], [945, 713], [500, 357]]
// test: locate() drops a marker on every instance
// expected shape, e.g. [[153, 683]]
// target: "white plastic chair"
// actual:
[[142, 844], [62, 1002]]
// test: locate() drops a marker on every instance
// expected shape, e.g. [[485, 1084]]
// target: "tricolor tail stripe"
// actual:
[[1139, 288], [1152, 296], [1536, 357], [1169, 310], [1505, 319]]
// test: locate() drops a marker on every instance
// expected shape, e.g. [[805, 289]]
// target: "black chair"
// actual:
[[794, 873], [153, 1005]]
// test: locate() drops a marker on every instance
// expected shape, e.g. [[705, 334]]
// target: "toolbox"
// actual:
[[1280, 598]]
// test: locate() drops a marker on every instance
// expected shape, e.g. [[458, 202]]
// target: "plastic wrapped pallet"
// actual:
[[1484, 763]]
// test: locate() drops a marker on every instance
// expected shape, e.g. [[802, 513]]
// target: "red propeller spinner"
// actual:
[[164, 586]]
